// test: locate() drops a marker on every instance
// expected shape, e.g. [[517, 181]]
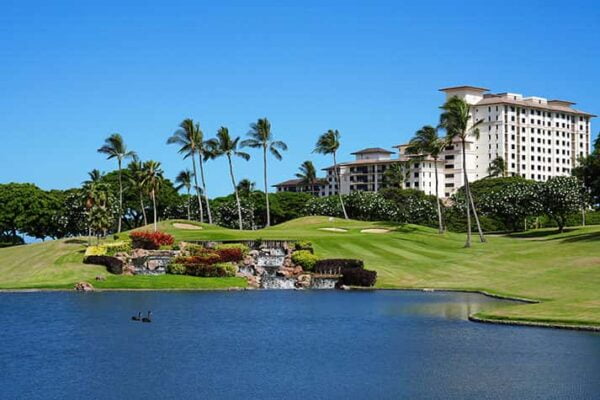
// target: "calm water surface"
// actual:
[[283, 345]]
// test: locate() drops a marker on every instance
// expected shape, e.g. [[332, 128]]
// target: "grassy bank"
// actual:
[[560, 270]]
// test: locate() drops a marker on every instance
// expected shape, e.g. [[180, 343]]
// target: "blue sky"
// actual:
[[71, 73]]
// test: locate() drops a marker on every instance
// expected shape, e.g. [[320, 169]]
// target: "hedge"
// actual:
[[337, 264], [357, 277]]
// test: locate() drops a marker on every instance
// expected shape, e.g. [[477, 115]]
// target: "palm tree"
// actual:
[[329, 143], [190, 137], [497, 167], [95, 177], [153, 177], [245, 187], [225, 145], [395, 174], [261, 137], [426, 142], [114, 147], [308, 175], [135, 175], [184, 179], [455, 120]]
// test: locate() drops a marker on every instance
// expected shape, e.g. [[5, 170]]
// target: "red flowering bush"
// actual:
[[150, 240], [230, 254]]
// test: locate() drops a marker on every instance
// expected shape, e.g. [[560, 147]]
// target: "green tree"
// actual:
[[395, 175], [228, 147], [497, 167], [25, 208], [588, 172], [184, 180], [308, 175], [561, 196], [512, 202], [114, 147], [135, 178], [427, 143], [190, 137], [329, 143], [245, 187], [261, 137], [153, 178], [456, 120]]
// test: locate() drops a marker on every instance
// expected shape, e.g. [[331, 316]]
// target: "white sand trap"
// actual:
[[333, 229], [180, 225], [375, 230]]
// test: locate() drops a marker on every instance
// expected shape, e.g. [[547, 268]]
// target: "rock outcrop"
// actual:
[[84, 287]]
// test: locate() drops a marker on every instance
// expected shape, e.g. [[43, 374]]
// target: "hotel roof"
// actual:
[[554, 105], [373, 150], [479, 89]]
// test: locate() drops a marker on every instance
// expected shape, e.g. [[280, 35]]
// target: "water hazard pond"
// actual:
[[283, 345]]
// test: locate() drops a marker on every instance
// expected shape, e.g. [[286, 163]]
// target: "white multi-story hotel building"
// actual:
[[537, 138]]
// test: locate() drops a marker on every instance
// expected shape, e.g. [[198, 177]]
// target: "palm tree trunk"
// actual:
[[339, 184], [120, 198], [481, 237], [197, 189], [237, 197], [464, 161], [266, 185], [437, 197], [204, 188], [143, 208], [154, 206], [188, 204]]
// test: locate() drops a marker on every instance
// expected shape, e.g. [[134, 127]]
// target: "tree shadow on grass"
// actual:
[[583, 237], [539, 234], [76, 241]]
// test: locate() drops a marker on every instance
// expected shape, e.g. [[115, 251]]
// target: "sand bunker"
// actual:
[[333, 229], [375, 230], [179, 225]]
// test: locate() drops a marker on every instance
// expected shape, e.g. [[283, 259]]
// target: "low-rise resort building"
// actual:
[[537, 139]]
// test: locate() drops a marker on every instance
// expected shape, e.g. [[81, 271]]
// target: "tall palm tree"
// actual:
[[184, 180], [455, 119], [261, 137], [135, 175], [426, 142], [114, 147], [497, 167], [190, 137], [245, 187], [329, 143], [225, 145], [308, 175], [153, 178]]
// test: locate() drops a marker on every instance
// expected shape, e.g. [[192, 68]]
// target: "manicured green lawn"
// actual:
[[562, 271]]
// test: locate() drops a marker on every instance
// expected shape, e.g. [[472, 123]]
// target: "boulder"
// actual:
[[100, 278], [84, 287], [303, 281], [139, 253], [128, 269]]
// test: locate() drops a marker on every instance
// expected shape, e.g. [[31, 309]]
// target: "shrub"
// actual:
[[230, 269], [358, 277], [112, 264], [95, 251], [242, 247], [207, 258], [150, 240], [176, 269], [194, 249], [337, 265], [229, 254], [305, 259], [206, 271], [117, 247], [304, 245]]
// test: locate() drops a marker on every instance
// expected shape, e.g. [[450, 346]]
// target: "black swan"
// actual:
[[138, 318], [148, 318]]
